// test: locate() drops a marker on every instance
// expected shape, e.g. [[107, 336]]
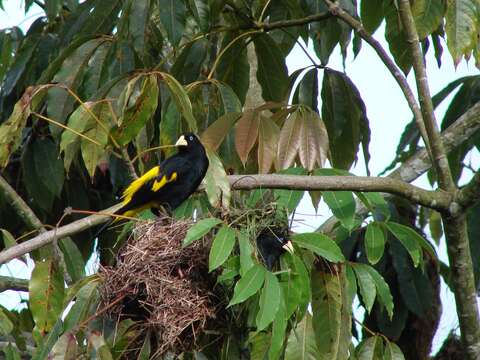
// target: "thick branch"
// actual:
[[49, 236], [294, 22], [440, 162], [435, 200], [11, 283], [20, 206], [431, 199], [389, 63], [470, 194]]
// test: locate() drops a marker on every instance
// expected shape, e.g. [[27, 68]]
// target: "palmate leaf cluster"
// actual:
[[94, 87]]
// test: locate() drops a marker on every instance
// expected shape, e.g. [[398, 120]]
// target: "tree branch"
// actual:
[[440, 162], [11, 283], [432, 199], [289, 23], [389, 63], [455, 224], [470, 194], [20, 206]]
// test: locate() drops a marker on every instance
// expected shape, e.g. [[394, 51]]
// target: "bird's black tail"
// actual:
[[103, 228]]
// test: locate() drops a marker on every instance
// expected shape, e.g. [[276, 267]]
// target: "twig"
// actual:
[[129, 162], [12, 283]]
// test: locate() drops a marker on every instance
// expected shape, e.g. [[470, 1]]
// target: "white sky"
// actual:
[[388, 113]]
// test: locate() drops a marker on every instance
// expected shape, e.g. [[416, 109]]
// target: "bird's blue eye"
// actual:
[[190, 138]]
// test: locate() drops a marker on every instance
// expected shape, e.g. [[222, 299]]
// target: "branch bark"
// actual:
[[20, 206], [435, 199], [456, 235], [11, 283], [470, 194], [389, 63]]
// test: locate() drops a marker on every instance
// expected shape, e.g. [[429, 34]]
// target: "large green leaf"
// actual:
[[371, 12], [396, 37], [181, 99], [342, 205], [272, 72], [345, 117], [269, 301], [411, 240], [428, 16], [366, 284], [6, 325], [320, 244], [199, 229], [462, 27], [173, 17], [301, 342], [46, 292], [331, 315], [248, 285], [73, 259], [139, 102], [383, 291], [246, 251], [374, 242], [48, 166], [279, 328], [222, 246]]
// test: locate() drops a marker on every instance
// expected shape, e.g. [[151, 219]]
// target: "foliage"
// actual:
[[96, 88]]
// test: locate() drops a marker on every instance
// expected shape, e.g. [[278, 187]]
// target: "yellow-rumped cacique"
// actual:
[[169, 184]]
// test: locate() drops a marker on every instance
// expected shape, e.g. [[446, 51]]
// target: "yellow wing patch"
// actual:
[[157, 185], [137, 184]]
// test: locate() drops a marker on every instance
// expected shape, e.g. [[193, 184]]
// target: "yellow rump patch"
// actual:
[[137, 184], [157, 185]]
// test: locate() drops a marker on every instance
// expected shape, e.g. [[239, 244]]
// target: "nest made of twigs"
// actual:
[[165, 287]]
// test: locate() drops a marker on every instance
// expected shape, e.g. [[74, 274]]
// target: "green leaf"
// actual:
[[393, 352], [342, 205], [289, 199], [461, 27], [73, 259], [233, 67], [84, 298], [145, 350], [301, 342], [320, 244], [279, 327], [383, 290], [11, 352], [6, 325], [272, 72], [269, 301], [8, 239], [428, 16], [435, 226], [371, 13], [331, 314], [248, 285], [11, 130], [374, 242], [173, 16], [366, 284], [199, 229], [181, 99], [222, 247], [345, 117], [48, 165], [46, 292], [396, 37], [139, 100], [246, 250], [410, 239], [366, 349], [217, 186]]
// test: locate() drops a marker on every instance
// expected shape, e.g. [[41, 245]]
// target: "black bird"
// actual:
[[271, 243], [168, 184]]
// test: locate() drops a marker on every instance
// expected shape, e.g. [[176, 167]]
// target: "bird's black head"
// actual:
[[188, 142]]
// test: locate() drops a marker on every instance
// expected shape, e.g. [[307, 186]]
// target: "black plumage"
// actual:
[[271, 243], [170, 183]]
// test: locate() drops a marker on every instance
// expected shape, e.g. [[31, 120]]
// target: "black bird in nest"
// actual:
[[168, 184], [271, 243]]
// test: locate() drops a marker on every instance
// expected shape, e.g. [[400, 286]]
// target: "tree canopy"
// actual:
[[95, 93]]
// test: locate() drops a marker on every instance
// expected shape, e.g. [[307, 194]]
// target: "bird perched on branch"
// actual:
[[170, 183]]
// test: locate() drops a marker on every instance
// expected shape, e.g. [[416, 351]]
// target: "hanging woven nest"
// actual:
[[166, 288]]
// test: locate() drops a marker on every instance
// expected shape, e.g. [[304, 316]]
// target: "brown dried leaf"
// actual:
[[213, 136], [246, 134], [268, 133], [289, 141], [314, 140]]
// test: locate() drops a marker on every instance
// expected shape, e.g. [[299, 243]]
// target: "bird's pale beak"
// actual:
[[288, 246], [181, 141]]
